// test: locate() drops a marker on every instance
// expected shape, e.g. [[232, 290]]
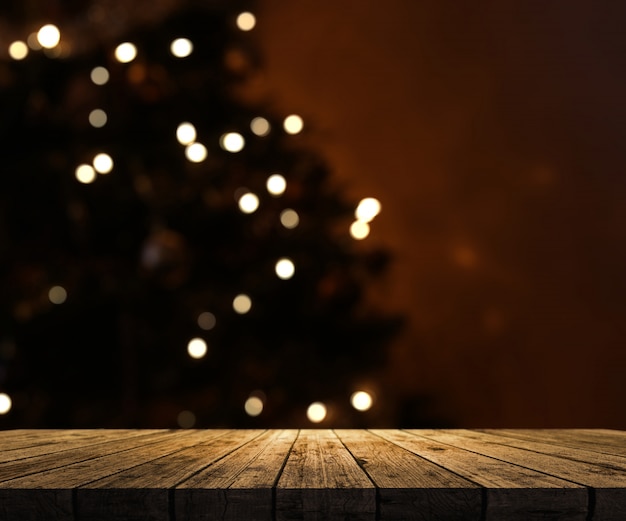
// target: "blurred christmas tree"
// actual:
[[169, 255]]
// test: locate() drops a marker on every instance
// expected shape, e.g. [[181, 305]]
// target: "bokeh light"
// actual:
[[196, 152], [85, 174], [186, 133], [99, 75], [285, 268], [316, 412], [289, 218], [260, 126], [359, 230], [18, 50], [197, 348], [361, 400], [246, 21], [253, 406], [186, 419], [242, 304], [293, 124], [367, 209], [248, 202], [206, 320], [232, 142], [98, 118], [181, 47], [33, 42], [49, 36], [57, 294], [103, 163], [125, 52], [5, 403], [276, 184]]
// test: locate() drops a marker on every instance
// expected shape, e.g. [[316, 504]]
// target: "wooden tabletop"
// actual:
[[181, 475]]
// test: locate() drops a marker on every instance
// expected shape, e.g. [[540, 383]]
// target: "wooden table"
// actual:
[[312, 474]]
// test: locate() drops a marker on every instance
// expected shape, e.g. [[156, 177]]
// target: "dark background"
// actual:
[[492, 133]]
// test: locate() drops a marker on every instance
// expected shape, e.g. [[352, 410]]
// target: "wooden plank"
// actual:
[[48, 494], [75, 453], [409, 486], [24, 438], [608, 483], [59, 444], [513, 493], [142, 493], [321, 480], [607, 442], [240, 485]]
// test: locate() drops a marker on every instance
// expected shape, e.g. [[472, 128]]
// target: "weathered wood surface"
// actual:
[[316, 474]]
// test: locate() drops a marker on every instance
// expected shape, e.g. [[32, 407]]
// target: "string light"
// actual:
[[18, 50], [242, 304], [57, 295], [206, 320], [246, 21], [232, 142], [285, 268], [361, 400], [293, 124], [253, 406], [289, 218], [125, 52], [248, 202], [260, 126], [197, 348], [196, 152], [276, 184], [85, 174], [181, 47], [98, 118], [367, 209], [49, 36], [5, 403], [103, 163], [186, 133], [316, 412], [99, 75], [359, 230]]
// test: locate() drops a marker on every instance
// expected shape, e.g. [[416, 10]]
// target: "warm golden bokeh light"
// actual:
[[232, 142], [49, 36], [361, 401], [125, 52], [316, 412], [285, 268], [248, 202], [276, 184], [186, 133], [18, 50], [359, 230], [5, 403], [293, 124], [367, 209], [260, 126], [186, 419], [253, 406], [197, 348], [99, 75], [289, 218], [98, 118], [206, 320], [181, 47], [246, 21], [57, 295], [196, 152], [85, 174], [242, 304], [103, 163]]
